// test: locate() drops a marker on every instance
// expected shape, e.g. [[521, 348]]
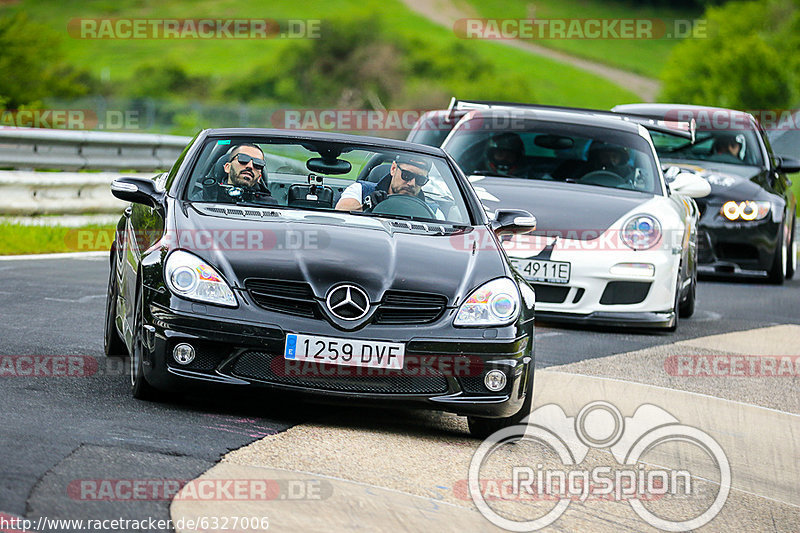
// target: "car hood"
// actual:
[[325, 250], [580, 211], [728, 182]]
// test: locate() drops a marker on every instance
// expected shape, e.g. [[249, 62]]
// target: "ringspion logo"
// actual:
[[598, 425]]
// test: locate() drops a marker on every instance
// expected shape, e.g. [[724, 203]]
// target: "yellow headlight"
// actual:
[[747, 210]]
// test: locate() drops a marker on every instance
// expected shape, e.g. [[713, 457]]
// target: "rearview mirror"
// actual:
[[513, 221], [138, 191], [689, 184], [328, 166]]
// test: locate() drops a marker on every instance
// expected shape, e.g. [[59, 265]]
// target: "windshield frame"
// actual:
[[456, 184], [640, 137]]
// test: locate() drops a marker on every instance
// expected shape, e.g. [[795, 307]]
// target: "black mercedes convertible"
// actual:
[[261, 260]]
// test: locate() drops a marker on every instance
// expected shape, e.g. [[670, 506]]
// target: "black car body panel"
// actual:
[[735, 248]]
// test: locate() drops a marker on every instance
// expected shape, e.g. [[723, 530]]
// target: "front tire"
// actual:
[[113, 346], [777, 273], [791, 263], [686, 308], [140, 388], [676, 306], [481, 428]]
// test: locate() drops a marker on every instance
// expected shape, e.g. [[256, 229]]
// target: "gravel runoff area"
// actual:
[[406, 471]]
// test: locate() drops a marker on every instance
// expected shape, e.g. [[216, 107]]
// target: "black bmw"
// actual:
[[240, 267], [747, 222]]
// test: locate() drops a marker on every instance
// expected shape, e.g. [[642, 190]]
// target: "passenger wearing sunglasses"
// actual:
[[407, 175]]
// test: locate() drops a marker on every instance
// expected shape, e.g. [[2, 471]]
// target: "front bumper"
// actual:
[[595, 295], [447, 374], [745, 249]]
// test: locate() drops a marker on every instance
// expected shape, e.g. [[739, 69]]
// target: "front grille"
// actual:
[[402, 307], [275, 369], [625, 292], [550, 294], [473, 384], [290, 297]]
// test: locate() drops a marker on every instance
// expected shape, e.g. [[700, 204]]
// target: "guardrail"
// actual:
[[24, 192], [33, 148]]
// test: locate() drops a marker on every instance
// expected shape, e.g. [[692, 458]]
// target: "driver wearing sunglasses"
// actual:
[[241, 178], [245, 166], [407, 175]]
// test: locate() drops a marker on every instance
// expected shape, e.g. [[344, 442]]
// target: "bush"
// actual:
[[164, 80], [32, 64], [748, 61]]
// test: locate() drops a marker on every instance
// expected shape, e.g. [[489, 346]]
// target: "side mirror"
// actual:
[[138, 191], [787, 164], [513, 221], [689, 184]]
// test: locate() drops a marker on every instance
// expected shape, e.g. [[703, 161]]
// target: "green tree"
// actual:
[[744, 62], [32, 64]]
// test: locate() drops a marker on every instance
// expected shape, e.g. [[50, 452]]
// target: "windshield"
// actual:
[[327, 176], [558, 152], [731, 147]]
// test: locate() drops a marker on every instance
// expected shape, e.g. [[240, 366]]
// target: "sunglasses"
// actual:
[[408, 175], [258, 163]]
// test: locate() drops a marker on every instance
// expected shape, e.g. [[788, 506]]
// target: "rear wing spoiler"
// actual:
[[686, 130]]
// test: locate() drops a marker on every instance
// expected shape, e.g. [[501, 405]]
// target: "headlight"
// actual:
[[492, 304], [747, 210], [641, 232], [190, 277]]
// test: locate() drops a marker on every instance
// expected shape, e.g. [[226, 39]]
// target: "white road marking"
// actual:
[[81, 300], [67, 255]]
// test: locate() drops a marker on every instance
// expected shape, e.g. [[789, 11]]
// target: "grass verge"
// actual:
[[16, 239], [643, 56]]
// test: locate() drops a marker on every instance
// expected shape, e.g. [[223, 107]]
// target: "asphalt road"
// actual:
[[59, 432]]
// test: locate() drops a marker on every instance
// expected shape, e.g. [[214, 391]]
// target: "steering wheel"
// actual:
[[402, 204], [602, 177]]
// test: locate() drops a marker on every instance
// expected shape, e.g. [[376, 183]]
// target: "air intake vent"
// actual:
[[290, 297], [406, 307]]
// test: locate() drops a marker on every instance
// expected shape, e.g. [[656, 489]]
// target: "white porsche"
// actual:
[[616, 236]]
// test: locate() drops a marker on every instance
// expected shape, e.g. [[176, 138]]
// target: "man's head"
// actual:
[[505, 152], [607, 156], [727, 143], [409, 174], [245, 166]]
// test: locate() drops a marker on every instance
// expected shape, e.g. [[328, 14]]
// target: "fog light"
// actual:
[[495, 380], [183, 354]]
